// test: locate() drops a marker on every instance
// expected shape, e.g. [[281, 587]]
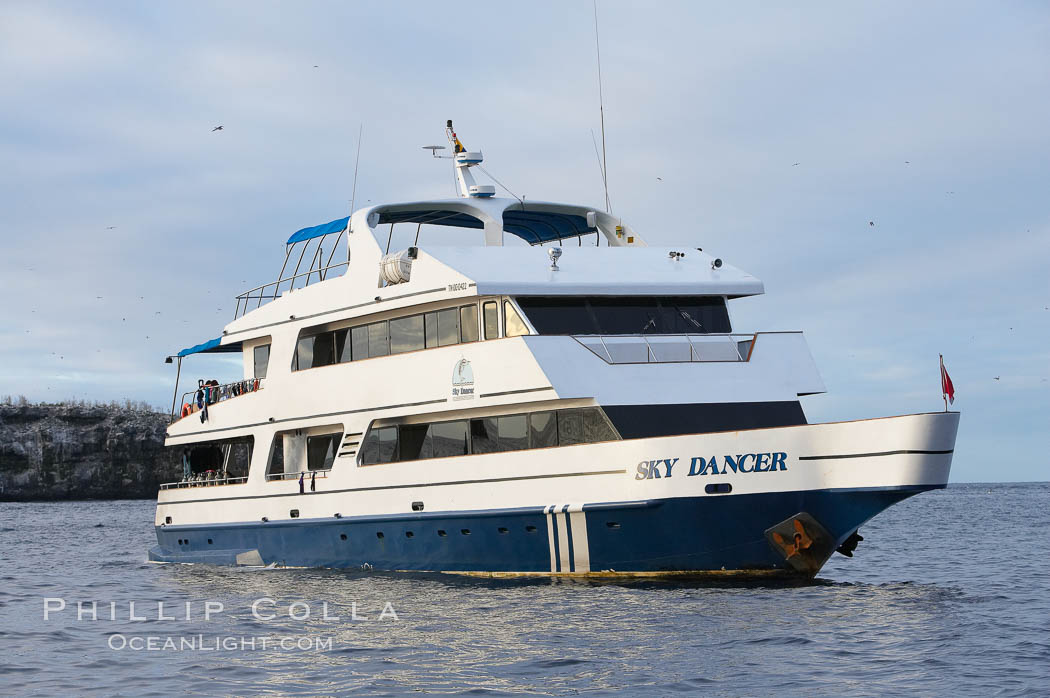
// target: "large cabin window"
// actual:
[[437, 328], [515, 432], [627, 315], [406, 334]]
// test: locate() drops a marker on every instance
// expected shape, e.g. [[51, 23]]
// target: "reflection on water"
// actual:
[[946, 594]]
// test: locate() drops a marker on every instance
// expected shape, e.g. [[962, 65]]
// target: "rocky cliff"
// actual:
[[83, 452]]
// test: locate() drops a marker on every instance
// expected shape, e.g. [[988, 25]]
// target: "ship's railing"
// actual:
[[668, 348], [206, 479], [295, 476], [194, 400], [256, 297]]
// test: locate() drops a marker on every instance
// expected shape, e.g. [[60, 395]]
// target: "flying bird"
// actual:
[[997, 378], [796, 164], [659, 179], [871, 223], [217, 128], [110, 227]]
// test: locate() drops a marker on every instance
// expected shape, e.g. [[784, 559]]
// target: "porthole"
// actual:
[[409, 534], [465, 531], [442, 533], [167, 519], [294, 513], [209, 541], [719, 488], [379, 534], [503, 530], [612, 524], [342, 536], [530, 529]]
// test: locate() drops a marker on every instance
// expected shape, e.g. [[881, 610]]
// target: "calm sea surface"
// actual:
[[948, 594]]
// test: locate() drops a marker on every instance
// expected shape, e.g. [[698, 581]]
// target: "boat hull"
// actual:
[[764, 501], [688, 534]]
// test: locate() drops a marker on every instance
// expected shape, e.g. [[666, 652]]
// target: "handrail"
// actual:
[[201, 480], [211, 394], [270, 477], [322, 275]]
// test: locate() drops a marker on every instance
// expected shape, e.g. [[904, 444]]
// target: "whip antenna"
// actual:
[[357, 161], [601, 108]]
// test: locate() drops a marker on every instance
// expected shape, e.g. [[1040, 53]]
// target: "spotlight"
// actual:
[[554, 253], [717, 264]]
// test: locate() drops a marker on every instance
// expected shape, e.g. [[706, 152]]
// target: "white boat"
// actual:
[[580, 404]]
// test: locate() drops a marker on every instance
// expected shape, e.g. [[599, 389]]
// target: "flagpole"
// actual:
[[944, 395]]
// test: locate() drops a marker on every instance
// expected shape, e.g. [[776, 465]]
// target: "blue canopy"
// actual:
[[212, 346], [317, 231]]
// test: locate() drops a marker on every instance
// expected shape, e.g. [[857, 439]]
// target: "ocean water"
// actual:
[[948, 594]]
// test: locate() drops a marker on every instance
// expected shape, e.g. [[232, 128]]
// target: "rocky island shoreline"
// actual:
[[77, 450]]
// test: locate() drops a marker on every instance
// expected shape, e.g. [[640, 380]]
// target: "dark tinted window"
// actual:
[[468, 323], [513, 432], [448, 327], [431, 323], [313, 351], [570, 427], [450, 439], [343, 346], [596, 426], [320, 451], [304, 354], [262, 359], [543, 430], [378, 339], [359, 343], [324, 349], [276, 465], [414, 442], [626, 314], [380, 446], [484, 437], [406, 334]]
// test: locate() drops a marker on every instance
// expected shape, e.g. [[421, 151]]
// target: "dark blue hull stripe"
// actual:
[[874, 455], [681, 534]]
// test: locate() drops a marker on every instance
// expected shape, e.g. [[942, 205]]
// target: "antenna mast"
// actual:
[[357, 161], [601, 108]]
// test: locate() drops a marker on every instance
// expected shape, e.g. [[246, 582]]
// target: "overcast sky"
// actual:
[[768, 136]]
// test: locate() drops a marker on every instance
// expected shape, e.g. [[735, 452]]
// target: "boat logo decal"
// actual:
[[740, 463], [462, 381]]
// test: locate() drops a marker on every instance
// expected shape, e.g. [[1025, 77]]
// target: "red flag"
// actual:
[[946, 383]]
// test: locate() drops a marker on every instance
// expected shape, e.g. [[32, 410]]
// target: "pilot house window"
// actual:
[[437, 328], [626, 314]]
